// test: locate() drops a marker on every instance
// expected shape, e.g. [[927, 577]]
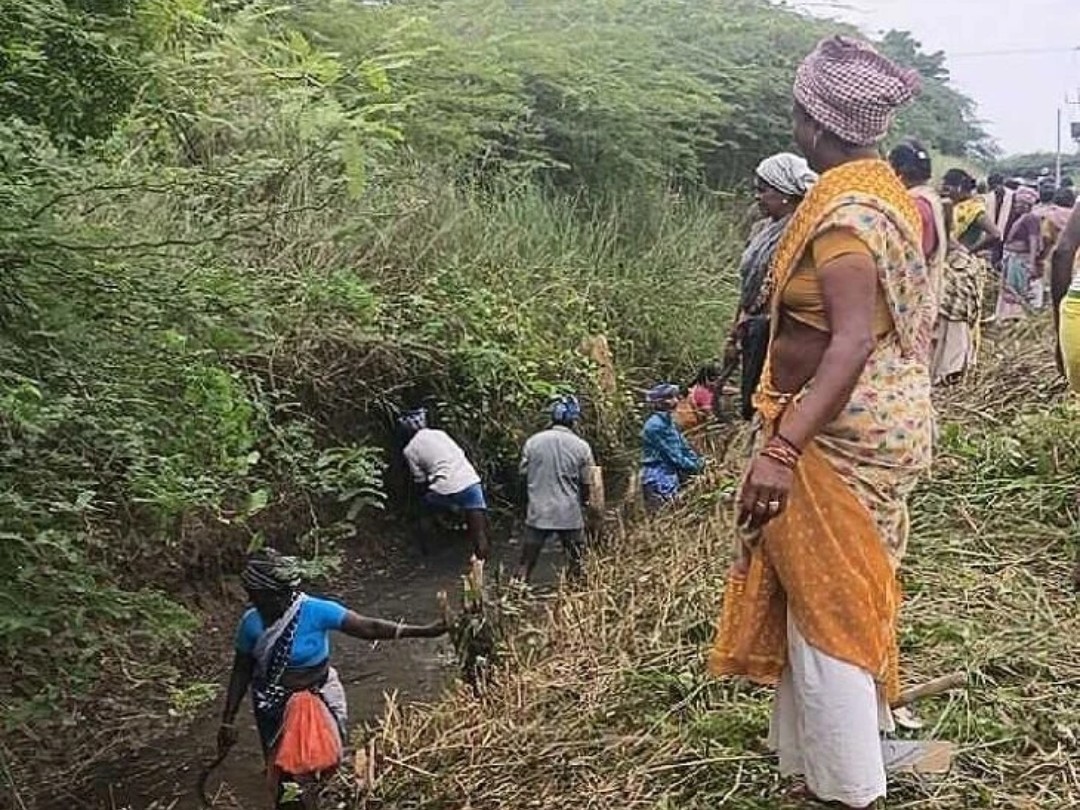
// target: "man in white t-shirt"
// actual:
[[437, 463]]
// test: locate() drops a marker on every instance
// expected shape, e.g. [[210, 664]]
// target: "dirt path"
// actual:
[[163, 774]]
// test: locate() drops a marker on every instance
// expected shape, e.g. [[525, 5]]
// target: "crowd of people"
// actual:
[[861, 287]]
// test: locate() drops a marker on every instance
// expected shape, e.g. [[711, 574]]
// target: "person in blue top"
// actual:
[[667, 459], [283, 655]]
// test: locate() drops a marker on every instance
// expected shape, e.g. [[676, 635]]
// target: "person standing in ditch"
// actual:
[[555, 464], [450, 483], [282, 656]]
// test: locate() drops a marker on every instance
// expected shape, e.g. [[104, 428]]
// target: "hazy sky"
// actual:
[[1018, 93]]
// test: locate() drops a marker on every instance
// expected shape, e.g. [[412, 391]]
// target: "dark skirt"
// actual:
[[755, 345]]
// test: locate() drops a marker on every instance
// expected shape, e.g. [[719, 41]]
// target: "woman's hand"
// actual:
[[764, 493], [740, 566], [436, 629], [732, 348], [226, 738]]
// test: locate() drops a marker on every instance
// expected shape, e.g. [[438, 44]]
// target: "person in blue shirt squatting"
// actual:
[[283, 655], [667, 459]]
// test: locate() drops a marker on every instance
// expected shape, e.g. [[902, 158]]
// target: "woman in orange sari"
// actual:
[[812, 603]]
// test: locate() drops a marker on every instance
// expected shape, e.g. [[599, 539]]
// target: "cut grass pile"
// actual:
[[603, 702]]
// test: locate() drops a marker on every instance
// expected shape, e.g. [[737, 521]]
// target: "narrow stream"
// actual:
[[163, 775]]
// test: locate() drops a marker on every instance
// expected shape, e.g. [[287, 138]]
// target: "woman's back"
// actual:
[[311, 644]]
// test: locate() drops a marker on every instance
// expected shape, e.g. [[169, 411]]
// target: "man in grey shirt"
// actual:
[[555, 464]]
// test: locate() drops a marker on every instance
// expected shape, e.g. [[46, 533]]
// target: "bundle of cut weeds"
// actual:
[[602, 700]]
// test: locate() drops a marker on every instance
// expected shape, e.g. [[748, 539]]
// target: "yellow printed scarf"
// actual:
[[965, 213]]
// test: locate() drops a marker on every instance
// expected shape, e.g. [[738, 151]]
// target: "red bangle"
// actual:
[[780, 437]]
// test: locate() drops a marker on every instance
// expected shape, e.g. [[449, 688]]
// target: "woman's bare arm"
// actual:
[[239, 680], [377, 629], [849, 286], [1061, 269], [1064, 256]]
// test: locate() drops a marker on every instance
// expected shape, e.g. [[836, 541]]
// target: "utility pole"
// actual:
[[1057, 159], [1074, 128]]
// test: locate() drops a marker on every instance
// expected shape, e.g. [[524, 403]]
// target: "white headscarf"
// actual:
[[787, 173]]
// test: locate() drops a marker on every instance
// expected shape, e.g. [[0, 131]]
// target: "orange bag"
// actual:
[[310, 742]]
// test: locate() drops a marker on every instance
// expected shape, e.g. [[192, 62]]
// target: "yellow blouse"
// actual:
[[802, 299]]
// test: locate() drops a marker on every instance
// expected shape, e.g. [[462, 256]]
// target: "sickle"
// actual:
[[204, 775]]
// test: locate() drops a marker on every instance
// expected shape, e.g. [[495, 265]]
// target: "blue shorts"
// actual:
[[468, 500]]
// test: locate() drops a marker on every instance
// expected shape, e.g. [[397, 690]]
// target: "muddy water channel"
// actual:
[[163, 774]]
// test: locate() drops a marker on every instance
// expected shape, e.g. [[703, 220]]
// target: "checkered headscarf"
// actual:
[[851, 90], [269, 570]]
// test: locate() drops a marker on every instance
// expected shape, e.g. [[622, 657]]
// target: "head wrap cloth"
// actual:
[[851, 90], [416, 419], [658, 393], [1027, 195], [268, 570], [565, 409], [787, 173]]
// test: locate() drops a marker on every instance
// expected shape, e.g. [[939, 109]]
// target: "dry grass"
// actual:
[[603, 701]]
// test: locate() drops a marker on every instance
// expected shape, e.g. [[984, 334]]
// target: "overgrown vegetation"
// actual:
[[1038, 164], [604, 700], [237, 232]]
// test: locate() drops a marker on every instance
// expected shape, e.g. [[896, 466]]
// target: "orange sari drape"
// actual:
[[831, 558]]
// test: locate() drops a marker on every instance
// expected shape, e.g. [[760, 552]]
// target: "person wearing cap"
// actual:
[[449, 481], [555, 464], [667, 459], [847, 424]]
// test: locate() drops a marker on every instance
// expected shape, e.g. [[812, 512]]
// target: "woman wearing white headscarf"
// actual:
[[781, 182]]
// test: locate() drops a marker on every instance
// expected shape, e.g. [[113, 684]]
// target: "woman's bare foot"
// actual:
[[800, 792]]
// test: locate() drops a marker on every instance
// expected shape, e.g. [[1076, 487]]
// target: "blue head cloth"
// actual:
[[565, 410], [414, 420], [658, 393]]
